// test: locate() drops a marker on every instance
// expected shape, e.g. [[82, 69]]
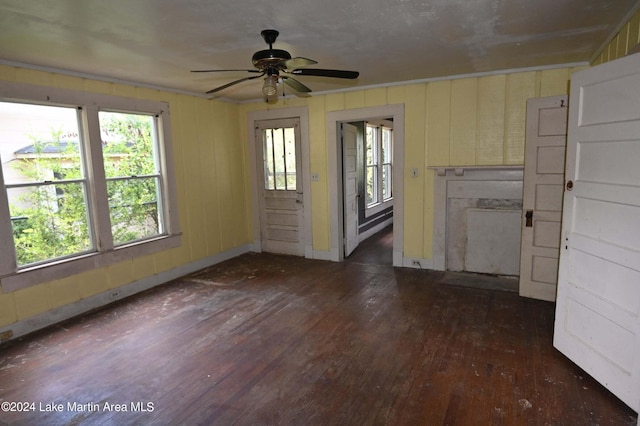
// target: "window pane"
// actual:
[[128, 144], [38, 143], [267, 153], [134, 210], [40, 152], [386, 181], [278, 156], [279, 153], [49, 221], [129, 147], [371, 146], [371, 185], [290, 158], [387, 145]]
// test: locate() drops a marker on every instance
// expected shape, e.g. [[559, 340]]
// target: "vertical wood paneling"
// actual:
[[414, 149], [32, 301], [519, 88], [63, 292], [554, 82], [491, 119], [354, 100], [142, 266], [318, 151], [622, 43], [8, 312], [334, 102], [464, 113], [165, 260], [438, 123], [238, 189], [375, 97], [634, 30], [213, 160], [395, 95], [91, 282], [193, 139], [119, 274]]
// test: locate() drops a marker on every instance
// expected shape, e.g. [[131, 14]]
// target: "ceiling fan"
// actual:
[[274, 63]]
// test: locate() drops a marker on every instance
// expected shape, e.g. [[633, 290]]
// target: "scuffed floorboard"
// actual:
[[278, 340]]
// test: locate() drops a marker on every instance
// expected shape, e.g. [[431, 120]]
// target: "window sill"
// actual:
[[44, 273], [376, 208]]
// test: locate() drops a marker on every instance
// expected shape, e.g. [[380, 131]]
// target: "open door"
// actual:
[[350, 180], [546, 139], [598, 306]]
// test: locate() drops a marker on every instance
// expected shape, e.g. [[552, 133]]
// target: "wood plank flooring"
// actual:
[[277, 340]]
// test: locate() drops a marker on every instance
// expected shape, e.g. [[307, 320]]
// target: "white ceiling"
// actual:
[[157, 42]]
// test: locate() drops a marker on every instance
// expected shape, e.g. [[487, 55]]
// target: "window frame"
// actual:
[[381, 202], [89, 104]]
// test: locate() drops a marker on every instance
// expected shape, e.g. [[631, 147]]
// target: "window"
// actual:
[[85, 179], [378, 164], [280, 159]]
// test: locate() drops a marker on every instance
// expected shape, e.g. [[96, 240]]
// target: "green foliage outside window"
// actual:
[[50, 218]]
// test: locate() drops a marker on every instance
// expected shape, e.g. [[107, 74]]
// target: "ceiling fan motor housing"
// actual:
[[269, 58]]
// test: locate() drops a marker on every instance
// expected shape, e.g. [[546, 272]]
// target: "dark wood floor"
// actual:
[[266, 339]]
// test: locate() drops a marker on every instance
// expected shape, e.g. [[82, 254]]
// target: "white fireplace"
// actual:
[[477, 223]]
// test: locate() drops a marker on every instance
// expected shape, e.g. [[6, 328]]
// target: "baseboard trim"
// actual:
[[56, 315]]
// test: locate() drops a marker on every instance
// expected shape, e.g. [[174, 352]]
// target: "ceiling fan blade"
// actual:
[[298, 62], [296, 85], [257, 71], [326, 73], [217, 89]]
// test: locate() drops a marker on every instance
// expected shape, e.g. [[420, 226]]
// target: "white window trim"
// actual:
[[11, 278]]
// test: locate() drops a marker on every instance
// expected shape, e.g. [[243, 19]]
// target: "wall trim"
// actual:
[[56, 315]]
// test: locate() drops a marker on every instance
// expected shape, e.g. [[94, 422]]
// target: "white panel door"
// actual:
[[350, 179], [280, 186], [598, 306], [546, 139]]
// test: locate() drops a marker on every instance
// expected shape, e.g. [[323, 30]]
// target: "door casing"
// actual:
[[302, 114], [335, 180]]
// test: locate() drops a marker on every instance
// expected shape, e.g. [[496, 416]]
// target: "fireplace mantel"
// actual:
[[460, 170]]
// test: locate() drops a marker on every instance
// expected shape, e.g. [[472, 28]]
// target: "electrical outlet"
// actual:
[[416, 263], [115, 294], [6, 335]]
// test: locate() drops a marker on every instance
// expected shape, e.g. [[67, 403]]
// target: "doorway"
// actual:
[[274, 229], [367, 171], [394, 113], [280, 185]]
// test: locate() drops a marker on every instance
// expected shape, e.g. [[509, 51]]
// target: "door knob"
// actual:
[[529, 218]]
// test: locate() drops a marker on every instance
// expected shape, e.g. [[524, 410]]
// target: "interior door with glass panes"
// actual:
[[280, 186]]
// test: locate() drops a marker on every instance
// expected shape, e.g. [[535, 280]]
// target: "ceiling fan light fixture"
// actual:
[[270, 86]]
